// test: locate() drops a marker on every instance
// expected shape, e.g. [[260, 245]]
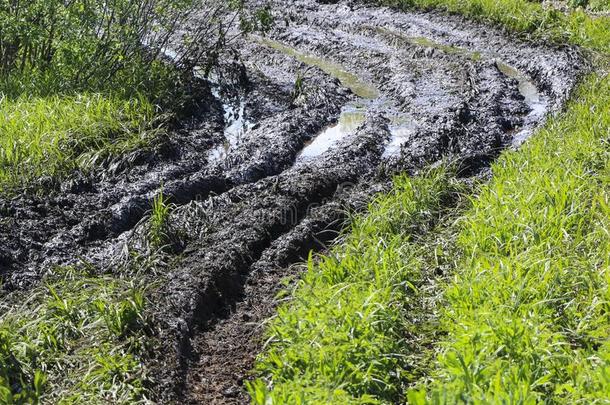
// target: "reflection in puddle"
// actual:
[[236, 125], [400, 135], [528, 90], [401, 127], [537, 102], [352, 116]]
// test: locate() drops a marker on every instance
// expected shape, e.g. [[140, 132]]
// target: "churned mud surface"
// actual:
[[299, 128]]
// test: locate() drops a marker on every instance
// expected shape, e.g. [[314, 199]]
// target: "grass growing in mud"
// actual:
[[76, 340], [522, 314]]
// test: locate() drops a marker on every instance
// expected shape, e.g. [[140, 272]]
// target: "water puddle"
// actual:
[[357, 85], [428, 43], [236, 126], [537, 102], [401, 134], [352, 116]]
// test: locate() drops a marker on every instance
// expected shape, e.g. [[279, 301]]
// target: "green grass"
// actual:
[[160, 234], [47, 137], [77, 339], [521, 310]]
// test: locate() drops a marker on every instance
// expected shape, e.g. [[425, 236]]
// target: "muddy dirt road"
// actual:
[[291, 132]]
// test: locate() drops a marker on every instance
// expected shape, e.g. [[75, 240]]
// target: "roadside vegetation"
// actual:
[[76, 339], [497, 298], [574, 26]]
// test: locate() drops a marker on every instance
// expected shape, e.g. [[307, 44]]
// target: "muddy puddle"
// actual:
[[401, 128], [537, 102], [236, 126], [351, 118], [353, 115], [350, 80]]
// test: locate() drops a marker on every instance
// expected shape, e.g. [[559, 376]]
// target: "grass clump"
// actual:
[[46, 137], [344, 336], [78, 339], [160, 230]]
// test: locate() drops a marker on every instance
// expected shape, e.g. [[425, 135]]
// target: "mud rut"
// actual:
[[263, 174]]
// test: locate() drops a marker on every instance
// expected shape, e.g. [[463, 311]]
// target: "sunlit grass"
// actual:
[[528, 313], [51, 136]]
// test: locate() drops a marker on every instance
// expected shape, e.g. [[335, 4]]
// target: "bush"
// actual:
[[49, 46]]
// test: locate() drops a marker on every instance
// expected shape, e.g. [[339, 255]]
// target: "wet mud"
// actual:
[[289, 135]]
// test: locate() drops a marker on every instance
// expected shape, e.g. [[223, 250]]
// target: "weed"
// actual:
[[160, 232], [299, 86], [526, 314]]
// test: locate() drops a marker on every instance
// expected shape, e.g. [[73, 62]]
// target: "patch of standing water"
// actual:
[[401, 133], [236, 125], [358, 86], [537, 102], [352, 116]]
